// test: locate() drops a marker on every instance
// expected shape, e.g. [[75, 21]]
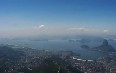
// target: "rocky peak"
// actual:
[[105, 42]]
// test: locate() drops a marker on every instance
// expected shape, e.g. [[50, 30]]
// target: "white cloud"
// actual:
[[39, 27], [105, 31], [79, 29]]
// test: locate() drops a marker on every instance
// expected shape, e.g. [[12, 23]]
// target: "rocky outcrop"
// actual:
[[105, 47]]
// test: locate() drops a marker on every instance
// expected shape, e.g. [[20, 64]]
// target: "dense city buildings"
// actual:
[[28, 60]]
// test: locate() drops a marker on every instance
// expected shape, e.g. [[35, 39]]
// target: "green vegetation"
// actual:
[[52, 65], [48, 66]]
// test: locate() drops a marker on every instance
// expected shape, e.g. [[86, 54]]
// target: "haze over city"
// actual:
[[57, 36]]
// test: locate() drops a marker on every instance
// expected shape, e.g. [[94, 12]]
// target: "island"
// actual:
[[105, 47]]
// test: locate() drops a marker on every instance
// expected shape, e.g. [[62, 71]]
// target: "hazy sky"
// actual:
[[25, 18]]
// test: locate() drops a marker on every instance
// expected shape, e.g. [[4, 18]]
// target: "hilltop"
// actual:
[[105, 47]]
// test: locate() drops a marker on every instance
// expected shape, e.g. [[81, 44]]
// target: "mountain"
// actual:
[[84, 46], [105, 47], [9, 53]]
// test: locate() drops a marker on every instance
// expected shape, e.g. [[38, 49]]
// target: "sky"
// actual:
[[28, 18]]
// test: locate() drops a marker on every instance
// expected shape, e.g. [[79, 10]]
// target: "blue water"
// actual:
[[57, 45]]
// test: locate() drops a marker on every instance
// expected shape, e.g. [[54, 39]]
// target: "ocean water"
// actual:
[[58, 45]]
